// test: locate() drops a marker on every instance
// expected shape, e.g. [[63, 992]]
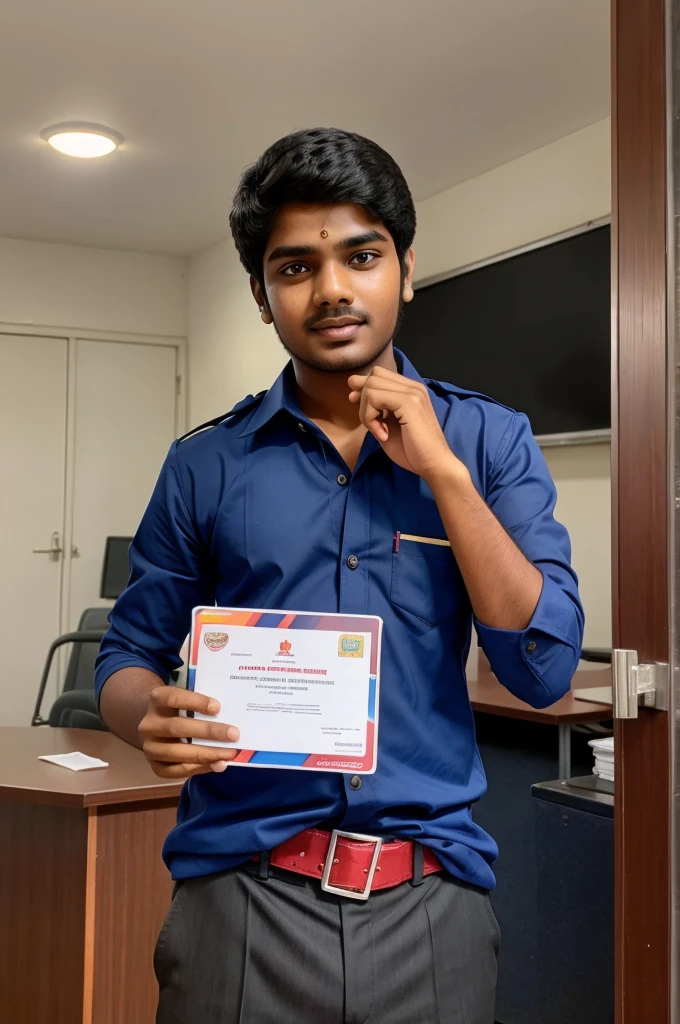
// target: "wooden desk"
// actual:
[[488, 696], [83, 889]]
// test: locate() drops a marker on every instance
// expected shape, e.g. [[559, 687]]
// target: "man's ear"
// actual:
[[261, 299], [409, 267]]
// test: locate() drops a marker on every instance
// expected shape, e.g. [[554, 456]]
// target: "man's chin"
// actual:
[[340, 359]]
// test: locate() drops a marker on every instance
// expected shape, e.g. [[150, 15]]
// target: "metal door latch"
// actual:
[[634, 684], [54, 550]]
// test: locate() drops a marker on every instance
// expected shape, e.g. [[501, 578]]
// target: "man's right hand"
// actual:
[[162, 730]]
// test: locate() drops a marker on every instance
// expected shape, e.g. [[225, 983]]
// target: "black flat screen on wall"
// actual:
[[532, 331]]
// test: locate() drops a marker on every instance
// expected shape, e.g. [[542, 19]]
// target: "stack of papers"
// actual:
[[604, 757]]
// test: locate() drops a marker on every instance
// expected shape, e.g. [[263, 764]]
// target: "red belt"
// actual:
[[351, 864]]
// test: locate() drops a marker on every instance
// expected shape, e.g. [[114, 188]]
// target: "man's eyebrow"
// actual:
[[291, 251], [358, 240]]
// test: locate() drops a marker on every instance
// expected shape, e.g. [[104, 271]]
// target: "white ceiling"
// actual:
[[199, 88]]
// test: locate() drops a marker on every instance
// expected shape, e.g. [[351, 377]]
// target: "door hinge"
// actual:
[[178, 386], [635, 684]]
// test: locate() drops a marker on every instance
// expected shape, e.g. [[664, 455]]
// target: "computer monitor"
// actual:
[[116, 567]]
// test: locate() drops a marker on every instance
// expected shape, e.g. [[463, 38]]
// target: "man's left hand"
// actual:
[[399, 413]]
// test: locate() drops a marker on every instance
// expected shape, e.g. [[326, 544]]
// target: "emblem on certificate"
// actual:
[[215, 641], [351, 646]]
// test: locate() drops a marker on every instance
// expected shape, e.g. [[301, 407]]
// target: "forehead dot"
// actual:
[[324, 233]]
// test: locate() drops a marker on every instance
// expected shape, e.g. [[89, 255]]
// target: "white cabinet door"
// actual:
[[125, 401], [32, 455]]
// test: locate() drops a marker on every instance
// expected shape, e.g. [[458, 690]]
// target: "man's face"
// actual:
[[333, 285]]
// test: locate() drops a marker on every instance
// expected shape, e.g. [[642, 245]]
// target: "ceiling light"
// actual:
[[76, 138]]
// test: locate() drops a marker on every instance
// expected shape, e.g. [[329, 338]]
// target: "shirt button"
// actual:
[[342, 479], [532, 647], [355, 782], [302, 426], [352, 561]]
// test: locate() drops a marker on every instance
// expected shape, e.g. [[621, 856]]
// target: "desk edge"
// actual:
[[589, 713], [81, 801]]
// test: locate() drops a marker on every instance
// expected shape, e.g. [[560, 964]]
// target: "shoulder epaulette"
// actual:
[[443, 388], [241, 406]]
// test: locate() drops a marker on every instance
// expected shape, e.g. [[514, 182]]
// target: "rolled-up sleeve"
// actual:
[[536, 664], [170, 574]]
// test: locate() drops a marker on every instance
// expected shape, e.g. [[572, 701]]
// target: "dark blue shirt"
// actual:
[[261, 511]]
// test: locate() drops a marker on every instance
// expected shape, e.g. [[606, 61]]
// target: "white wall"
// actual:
[[550, 190], [583, 480], [72, 286], [555, 188], [231, 352]]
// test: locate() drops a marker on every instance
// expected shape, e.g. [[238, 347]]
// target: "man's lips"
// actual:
[[338, 328]]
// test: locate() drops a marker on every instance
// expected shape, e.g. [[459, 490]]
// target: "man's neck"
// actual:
[[324, 397]]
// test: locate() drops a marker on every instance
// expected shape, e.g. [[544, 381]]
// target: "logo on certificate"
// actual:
[[351, 646], [215, 641], [285, 649]]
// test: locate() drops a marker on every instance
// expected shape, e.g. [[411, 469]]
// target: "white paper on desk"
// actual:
[[76, 761]]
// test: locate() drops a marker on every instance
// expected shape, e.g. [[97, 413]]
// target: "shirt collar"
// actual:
[[406, 367], [283, 395]]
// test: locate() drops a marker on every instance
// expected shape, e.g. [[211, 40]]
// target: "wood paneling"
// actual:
[[83, 889], [90, 914], [133, 894], [640, 481], [42, 909]]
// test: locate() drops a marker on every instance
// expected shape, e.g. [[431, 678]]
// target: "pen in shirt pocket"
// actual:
[[412, 537]]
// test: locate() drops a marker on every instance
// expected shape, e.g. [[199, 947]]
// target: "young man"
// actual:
[[292, 501]]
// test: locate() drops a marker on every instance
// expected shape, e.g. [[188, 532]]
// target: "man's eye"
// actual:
[[362, 259], [293, 269]]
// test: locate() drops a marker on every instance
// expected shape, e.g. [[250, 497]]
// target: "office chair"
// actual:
[[76, 707]]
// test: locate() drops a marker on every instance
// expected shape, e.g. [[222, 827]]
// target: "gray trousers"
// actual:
[[238, 950]]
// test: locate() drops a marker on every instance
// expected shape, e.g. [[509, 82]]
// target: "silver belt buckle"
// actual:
[[337, 889]]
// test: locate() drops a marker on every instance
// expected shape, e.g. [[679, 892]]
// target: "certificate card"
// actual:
[[301, 687]]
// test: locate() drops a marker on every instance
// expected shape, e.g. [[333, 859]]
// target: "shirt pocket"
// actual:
[[425, 579]]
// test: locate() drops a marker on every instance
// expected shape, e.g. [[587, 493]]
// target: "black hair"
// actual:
[[319, 165]]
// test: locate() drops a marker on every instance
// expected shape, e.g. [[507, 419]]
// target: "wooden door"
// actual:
[[32, 468], [641, 503]]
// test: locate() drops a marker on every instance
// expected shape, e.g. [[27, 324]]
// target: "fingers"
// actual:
[[171, 699], [410, 406], [357, 379], [377, 404], [384, 384], [193, 754], [159, 725], [183, 728], [380, 393], [393, 397], [373, 417], [361, 384], [185, 771], [163, 729]]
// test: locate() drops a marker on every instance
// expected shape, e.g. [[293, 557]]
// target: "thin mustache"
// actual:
[[336, 314]]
